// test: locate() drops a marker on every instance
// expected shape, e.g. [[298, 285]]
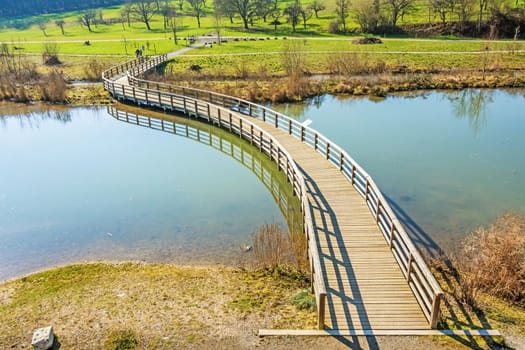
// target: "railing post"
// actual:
[[209, 114], [219, 114], [230, 120], [434, 314], [302, 135], [289, 126], [392, 234], [271, 149], [240, 128], [251, 134], [321, 311], [367, 190], [146, 95], [316, 140], [184, 103], [264, 115], [378, 209], [327, 150], [276, 120], [341, 161], [409, 265], [196, 109], [250, 109]]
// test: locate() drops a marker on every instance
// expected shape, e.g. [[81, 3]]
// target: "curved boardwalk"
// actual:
[[366, 273]]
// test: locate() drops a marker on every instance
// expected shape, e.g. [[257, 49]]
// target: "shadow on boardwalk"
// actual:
[[456, 313]]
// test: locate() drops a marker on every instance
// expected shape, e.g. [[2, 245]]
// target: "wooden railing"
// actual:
[[227, 144], [423, 284], [235, 123]]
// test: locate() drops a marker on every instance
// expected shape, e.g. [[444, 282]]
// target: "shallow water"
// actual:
[[80, 185], [448, 161]]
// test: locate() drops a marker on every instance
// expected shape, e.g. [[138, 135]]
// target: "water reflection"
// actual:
[[471, 105], [238, 149], [32, 115]]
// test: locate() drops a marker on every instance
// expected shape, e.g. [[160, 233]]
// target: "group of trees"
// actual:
[[371, 15], [10, 8]]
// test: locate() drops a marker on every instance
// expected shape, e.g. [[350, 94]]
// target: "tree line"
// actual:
[[372, 16], [19, 8]]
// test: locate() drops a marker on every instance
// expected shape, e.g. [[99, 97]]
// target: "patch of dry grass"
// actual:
[[492, 260], [163, 306]]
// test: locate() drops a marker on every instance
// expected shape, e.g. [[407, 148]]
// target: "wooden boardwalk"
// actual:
[[366, 273]]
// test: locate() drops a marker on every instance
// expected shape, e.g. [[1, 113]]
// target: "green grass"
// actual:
[[186, 26]]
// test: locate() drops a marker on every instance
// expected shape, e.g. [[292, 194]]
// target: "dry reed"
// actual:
[[492, 260], [272, 247]]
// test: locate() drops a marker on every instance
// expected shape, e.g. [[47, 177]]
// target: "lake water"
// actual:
[[80, 185], [449, 162]]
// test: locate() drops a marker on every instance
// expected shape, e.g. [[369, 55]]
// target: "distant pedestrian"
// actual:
[[138, 53]]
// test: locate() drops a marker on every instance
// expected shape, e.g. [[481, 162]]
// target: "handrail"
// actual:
[[421, 281], [228, 119]]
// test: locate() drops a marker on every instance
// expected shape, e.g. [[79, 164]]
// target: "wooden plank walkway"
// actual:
[[366, 273], [364, 284]]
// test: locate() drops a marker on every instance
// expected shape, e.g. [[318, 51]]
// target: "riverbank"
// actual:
[[280, 90], [165, 306]]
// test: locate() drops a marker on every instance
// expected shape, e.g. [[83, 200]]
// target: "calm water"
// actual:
[[80, 185], [449, 161]]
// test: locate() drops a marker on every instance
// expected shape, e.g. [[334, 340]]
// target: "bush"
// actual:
[[53, 87], [492, 260], [304, 300]]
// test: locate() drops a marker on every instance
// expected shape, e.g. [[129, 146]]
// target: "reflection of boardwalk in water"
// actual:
[[228, 144], [366, 272]]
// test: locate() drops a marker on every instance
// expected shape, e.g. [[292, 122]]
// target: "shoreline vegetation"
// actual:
[[166, 306]]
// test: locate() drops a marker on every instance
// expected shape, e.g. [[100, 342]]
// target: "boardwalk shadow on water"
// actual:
[[456, 312], [328, 226]]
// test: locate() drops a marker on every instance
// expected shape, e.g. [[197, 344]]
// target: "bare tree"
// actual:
[[294, 13], [245, 8], [86, 18], [264, 8], [398, 8], [199, 9], [143, 11], [464, 9], [60, 24], [125, 13], [342, 9], [442, 8], [306, 14], [42, 25], [225, 7], [366, 15], [316, 6]]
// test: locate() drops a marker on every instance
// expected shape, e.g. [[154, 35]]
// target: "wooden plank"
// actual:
[[385, 332]]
